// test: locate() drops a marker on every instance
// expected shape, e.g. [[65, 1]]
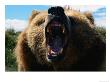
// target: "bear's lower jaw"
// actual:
[[55, 57]]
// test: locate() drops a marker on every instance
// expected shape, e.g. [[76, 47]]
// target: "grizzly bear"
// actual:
[[60, 40]]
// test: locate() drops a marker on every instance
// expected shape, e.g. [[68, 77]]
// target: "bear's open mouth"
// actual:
[[55, 37]]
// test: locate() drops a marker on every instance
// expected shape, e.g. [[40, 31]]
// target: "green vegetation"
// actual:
[[10, 42], [102, 32]]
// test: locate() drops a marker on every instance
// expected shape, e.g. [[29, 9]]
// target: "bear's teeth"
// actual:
[[54, 55], [52, 52]]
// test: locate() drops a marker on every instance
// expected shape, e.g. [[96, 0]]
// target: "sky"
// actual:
[[16, 16]]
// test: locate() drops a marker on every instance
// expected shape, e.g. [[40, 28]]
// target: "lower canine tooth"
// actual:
[[52, 52], [54, 55]]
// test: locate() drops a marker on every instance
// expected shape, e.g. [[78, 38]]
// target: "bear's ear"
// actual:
[[34, 13], [90, 17]]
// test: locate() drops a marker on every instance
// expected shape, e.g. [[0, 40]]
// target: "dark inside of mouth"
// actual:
[[55, 38]]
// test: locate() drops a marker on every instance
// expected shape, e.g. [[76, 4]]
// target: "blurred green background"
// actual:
[[10, 42]]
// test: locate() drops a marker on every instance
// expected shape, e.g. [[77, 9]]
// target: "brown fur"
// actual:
[[89, 16], [84, 47]]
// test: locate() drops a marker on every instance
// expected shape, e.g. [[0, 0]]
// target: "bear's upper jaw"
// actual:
[[55, 24]]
